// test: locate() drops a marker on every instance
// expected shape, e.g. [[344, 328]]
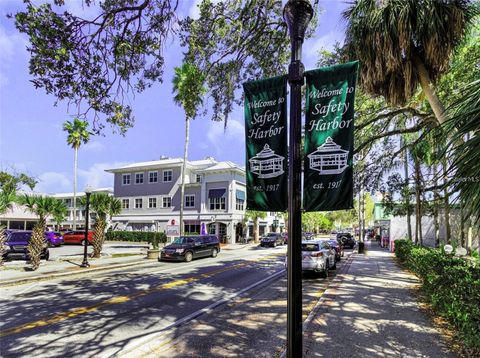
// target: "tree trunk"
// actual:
[[3, 237], [36, 243], [98, 237], [255, 229], [75, 189], [436, 200], [418, 209], [446, 198], [184, 166], [407, 199], [428, 90]]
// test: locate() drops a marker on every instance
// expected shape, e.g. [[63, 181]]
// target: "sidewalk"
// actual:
[[15, 272], [19, 274], [369, 311]]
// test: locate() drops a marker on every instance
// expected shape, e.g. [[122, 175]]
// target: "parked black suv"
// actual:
[[186, 248], [346, 239], [272, 239]]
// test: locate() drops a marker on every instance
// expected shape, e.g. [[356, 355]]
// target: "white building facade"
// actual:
[[215, 198]]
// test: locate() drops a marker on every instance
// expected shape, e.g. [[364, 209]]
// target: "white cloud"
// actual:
[[94, 146], [96, 176], [324, 42], [10, 44], [222, 140], [54, 182]]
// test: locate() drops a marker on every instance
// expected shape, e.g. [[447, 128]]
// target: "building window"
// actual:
[[216, 199], [217, 203], [69, 203], [193, 229], [138, 203], [167, 202], [138, 178], [152, 203], [125, 203], [167, 175], [153, 177], [198, 178], [125, 179], [240, 204], [189, 201]]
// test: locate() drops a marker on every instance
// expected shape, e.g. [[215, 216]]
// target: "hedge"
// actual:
[[451, 284], [137, 236]]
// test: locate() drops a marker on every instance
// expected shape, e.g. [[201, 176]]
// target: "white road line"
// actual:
[[143, 345]]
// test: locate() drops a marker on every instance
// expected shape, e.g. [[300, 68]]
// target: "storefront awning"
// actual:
[[241, 195], [216, 193]]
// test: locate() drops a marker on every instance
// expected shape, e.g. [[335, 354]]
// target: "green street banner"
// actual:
[[328, 165], [266, 143]]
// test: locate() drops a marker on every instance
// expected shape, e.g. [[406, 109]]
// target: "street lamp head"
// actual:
[[88, 189], [297, 14]]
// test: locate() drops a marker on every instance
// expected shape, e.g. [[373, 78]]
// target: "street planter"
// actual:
[[153, 253]]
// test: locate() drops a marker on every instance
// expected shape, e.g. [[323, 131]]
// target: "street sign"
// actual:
[[266, 143], [328, 163], [173, 230]]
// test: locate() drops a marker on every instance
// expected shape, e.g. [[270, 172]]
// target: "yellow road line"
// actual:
[[121, 299]]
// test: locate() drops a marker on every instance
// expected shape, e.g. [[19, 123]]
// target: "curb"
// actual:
[[333, 285], [53, 275]]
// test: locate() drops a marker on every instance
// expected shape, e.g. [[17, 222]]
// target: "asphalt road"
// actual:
[[111, 314]]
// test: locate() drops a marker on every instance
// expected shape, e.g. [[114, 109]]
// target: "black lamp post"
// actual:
[[297, 14], [88, 192]]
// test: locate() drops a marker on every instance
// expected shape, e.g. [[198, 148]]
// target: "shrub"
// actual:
[[153, 238], [451, 284]]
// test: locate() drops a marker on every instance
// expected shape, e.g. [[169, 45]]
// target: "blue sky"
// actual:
[[31, 136]]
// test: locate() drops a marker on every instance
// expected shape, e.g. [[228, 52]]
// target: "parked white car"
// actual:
[[318, 256]]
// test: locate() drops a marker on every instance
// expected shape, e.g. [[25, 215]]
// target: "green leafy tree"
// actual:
[[402, 44], [95, 63], [188, 89], [255, 216], [105, 206], [9, 184], [42, 206], [77, 135]]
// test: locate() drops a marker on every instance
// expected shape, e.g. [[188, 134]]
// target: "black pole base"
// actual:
[[361, 247], [85, 264]]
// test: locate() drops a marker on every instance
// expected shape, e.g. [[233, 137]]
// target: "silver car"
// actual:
[[318, 256]]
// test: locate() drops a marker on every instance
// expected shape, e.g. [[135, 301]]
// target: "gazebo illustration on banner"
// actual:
[[329, 158], [267, 164]]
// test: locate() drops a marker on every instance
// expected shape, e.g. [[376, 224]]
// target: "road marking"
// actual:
[[121, 299], [137, 347]]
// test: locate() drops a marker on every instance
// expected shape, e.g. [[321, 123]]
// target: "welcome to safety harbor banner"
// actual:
[[266, 143], [328, 163]]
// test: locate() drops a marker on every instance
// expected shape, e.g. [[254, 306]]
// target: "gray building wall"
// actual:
[[189, 190], [146, 188]]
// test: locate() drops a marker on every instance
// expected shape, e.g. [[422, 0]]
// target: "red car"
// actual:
[[77, 237]]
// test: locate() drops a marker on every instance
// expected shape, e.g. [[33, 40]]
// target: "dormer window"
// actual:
[[167, 175], [198, 178]]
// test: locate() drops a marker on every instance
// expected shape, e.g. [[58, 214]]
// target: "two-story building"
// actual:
[[214, 201], [20, 218]]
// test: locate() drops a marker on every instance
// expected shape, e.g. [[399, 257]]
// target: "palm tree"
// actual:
[[60, 212], [105, 206], [464, 126], [77, 134], [7, 198], [255, 216], [401, 44], [42, 206], [189, 90]]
